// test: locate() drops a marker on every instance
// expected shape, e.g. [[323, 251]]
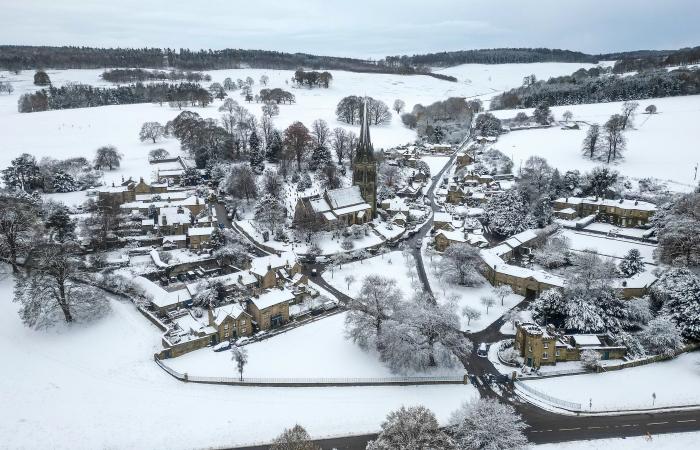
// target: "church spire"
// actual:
[[364, 146]]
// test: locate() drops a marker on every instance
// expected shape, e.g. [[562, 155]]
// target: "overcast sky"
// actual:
[[361, 28]]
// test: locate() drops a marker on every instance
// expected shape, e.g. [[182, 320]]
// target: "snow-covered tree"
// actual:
[[347, 244], [661, 337], [460, 264], [399, 105], [412, 428], [506, 213], [158, 154], [651, 109], [320, 157], [486, 124], [152, 131], [502, 291], [257, 154], [107, 156], [678, 229], [677, 295], [628, 109], [614, 138], [295, 438], [64, 182], [59, 223], [375, 304], [18, 218], [48, 293], [542, 114], [23, 174], [568, 115], [470, 314], [487, 424], [635, 348], [271, 109], [554, 253], [269, 212], [590, 359], [487, 301], [592, 143], [239, 355], [631, 264]]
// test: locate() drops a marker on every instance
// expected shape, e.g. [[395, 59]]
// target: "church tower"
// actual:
[[364, 168]]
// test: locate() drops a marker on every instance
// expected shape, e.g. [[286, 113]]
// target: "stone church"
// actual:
[[356, 204]]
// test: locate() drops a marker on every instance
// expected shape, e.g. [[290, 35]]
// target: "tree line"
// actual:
[[83, 96], [638, 63], [570, 90], [134, 75]]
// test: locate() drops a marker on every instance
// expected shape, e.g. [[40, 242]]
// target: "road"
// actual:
[[544, 426]]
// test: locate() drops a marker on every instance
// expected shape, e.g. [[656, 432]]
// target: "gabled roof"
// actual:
[[344, 197], [272, 297], [233, 310]]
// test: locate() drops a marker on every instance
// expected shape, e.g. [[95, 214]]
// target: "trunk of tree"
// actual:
[[63, 302]]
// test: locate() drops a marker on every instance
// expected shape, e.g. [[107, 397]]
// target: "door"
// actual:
[[529, 362]]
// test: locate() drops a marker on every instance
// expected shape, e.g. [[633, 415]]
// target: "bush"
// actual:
[[590, 359]]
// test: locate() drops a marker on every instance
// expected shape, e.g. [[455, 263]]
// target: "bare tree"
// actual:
[[399, 105], [502, 292], [614, 138], [239, 355], [460, 264], [470, 314], [628, 110], [568, 115], [297, 139], [18, 219], [592, 141], [349, 279], [339, 142], [375, 304], [488, 302], [320, 132], [264, 79]]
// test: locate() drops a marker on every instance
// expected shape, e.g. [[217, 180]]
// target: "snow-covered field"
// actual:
[[391, 265], [96, 386], [78, 132], [663, 145], [436, 163], [317, 350], [605, 246], [674, 382], [467, 296], [672, 441]]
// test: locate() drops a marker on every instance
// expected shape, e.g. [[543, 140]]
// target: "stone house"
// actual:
[[541, 346], [345, 206], [199, 237], [622, 213], [271, 309], [231, 322], [444, 239], [442, 221]]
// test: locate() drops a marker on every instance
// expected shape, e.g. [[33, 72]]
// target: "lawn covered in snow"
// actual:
[[436, 163], [675, 383], [316, 350], [96, 386], [671, 441], [392, 265], [607, 246], [662, 145], [467, 296]]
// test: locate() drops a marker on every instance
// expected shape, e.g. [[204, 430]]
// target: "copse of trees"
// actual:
[[134, 75], [489, 56], [351, 109], [83, 96], [41, 78], [312, 78], [570, 90], [684, 56], [446, 120], [277, 96]]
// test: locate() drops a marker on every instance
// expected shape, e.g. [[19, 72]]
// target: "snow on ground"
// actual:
[[316, 350], [436, 163], [78, 132], [89, 380], [662, 145], [391, 265], [672, 441], [485, 80], [675, 383], [606, 246], [613, 230], [467, 296]]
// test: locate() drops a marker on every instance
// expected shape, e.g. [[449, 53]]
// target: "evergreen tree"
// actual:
[[60, 223], [257, 155], [41, 78], [320, 157], [507, 213], [631, 264], [64, 182], [274, 147], [542, 114], [22, 174]]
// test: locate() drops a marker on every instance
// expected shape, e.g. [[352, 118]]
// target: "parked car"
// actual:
[[173, 280], [419, 243], [483, 350], [222, 346], [321, 259], [330, 304], [314, 272], [191, 275]]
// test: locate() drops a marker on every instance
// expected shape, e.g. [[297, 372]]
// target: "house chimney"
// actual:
[[141, 180]]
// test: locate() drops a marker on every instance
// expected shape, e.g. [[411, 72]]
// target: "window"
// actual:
[[243, 322], [243, 330], [545, 355], [556, 353], [225, 327], [530, 348], [225, 334], [546, 344]]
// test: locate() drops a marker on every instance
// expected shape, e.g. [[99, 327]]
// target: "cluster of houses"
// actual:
[[544, 346], [622, 213], [172, 216], [250, 300]]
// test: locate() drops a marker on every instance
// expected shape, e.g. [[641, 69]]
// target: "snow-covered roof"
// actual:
[[567, 211], [172, 195], [623, 203], [260, 265], [272, 297], [343, 197], [525, 236], [502, 249], [112, 189], [454, 236], [174, 238], [638, 281], [170, 163], [173, 215], [319, 205], [166, 202], [200, 231], [351, 209], [442, 217], [233, 310], [159, 296], [586, 340], [394, 204], [147, 222]]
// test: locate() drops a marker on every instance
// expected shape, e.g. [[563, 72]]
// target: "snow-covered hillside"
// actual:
[[663, 145], [78, 132]]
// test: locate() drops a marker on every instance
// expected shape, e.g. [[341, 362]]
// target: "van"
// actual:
[[483, 350]]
